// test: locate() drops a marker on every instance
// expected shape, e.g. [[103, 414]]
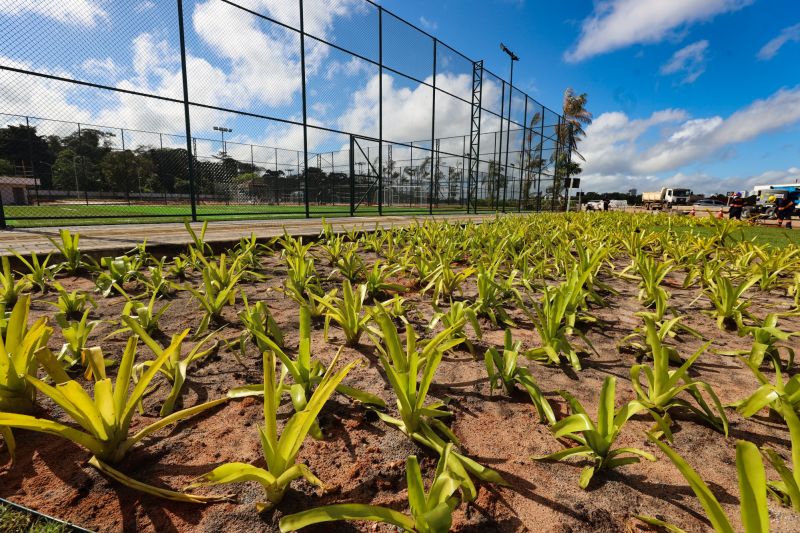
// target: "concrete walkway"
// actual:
[[117, 239]]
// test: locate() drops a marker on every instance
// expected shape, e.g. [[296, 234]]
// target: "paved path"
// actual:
[[117, 239]]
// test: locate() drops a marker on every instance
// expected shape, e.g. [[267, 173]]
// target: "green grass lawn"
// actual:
[[771, 235], [74, 214], [13, 520]]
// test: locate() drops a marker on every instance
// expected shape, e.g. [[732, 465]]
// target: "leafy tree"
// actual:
[[21, 144], [66, 170], [6, 168], [119, 171]]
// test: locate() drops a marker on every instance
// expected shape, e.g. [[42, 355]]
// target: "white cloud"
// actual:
[[618, 145], [769, 50], [76, 12], [616, 24], [146, 5], [700, 183], [29, 95], [689, 60], [103, 68], [428, 24]]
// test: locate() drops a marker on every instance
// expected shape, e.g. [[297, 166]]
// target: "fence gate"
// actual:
[[366, 182]]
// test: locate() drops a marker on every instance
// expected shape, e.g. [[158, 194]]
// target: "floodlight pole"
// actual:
[[222, 132], [513, 57]]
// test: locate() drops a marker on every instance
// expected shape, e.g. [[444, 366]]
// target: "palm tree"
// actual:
[[570, 131]]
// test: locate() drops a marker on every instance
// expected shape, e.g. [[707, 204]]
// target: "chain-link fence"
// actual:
[[137, 110]]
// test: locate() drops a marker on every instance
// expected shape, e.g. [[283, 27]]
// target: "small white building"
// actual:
[[16, 190]]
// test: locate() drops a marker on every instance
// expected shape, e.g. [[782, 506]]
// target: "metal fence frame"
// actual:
[[534, 136]]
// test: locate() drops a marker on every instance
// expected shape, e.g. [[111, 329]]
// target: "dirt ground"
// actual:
[[362, 460]]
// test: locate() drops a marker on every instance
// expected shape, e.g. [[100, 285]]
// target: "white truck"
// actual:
[[666, 198]]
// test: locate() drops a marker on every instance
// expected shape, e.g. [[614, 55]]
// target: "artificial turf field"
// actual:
[[77, 214]]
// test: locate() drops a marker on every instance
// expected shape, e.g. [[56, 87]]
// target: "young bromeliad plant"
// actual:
[[445, 281], [305, 370], [492, 298], [554, 320], [768, 341], [729, 306], [503, 371], [173, 367], [636, 342], [105, 418], [39, 274], [71, 305], [431, 512], [596, 439], [218, 292], [752, 490], [76, 336], [258, 322], [69, 250], [377, 280], [10, 287], [119, 270], [456, 319], [280, 452], [418, 420], [347, 312], [17, 361], [663, 386], [771, 395], [350, 265]]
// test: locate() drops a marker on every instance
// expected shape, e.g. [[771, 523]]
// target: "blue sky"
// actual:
[[700, 93], [622, 68]]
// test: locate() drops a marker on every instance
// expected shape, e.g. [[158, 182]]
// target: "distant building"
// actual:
[[15, 190], [632, 192]]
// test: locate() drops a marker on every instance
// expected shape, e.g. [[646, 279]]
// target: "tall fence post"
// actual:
[[189, 151], [522, 156], [305, 109], [433, 130], [30, 158], [352, 176], [541, 164], [380, 110], [499, 149]]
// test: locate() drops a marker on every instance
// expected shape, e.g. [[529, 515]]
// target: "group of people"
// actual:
[[784, 209]]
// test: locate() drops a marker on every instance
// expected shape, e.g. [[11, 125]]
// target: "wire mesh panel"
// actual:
[[207, 109]]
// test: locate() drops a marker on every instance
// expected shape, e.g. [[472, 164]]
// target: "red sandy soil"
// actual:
[[362, 460]]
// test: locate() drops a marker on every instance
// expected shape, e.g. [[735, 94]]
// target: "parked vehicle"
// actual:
[[666, 198], [758, 200], [709, 203]]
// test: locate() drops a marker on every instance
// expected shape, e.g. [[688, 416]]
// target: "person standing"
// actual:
[[605, 204], [736, 206], [784, 209]]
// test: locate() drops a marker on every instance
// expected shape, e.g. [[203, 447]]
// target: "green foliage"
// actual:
[[431, 512], [729, 306], [347, 312], [104, 419], [377, 280], [69, 250], [418, 420], [39, 274], [665, 385], [455, 319], [596, 439], [752, 488], [502, 369], [280, 453], [71, 304], [305, 370], [173, 366], [17, 360], [119, 270], [10, 287]]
